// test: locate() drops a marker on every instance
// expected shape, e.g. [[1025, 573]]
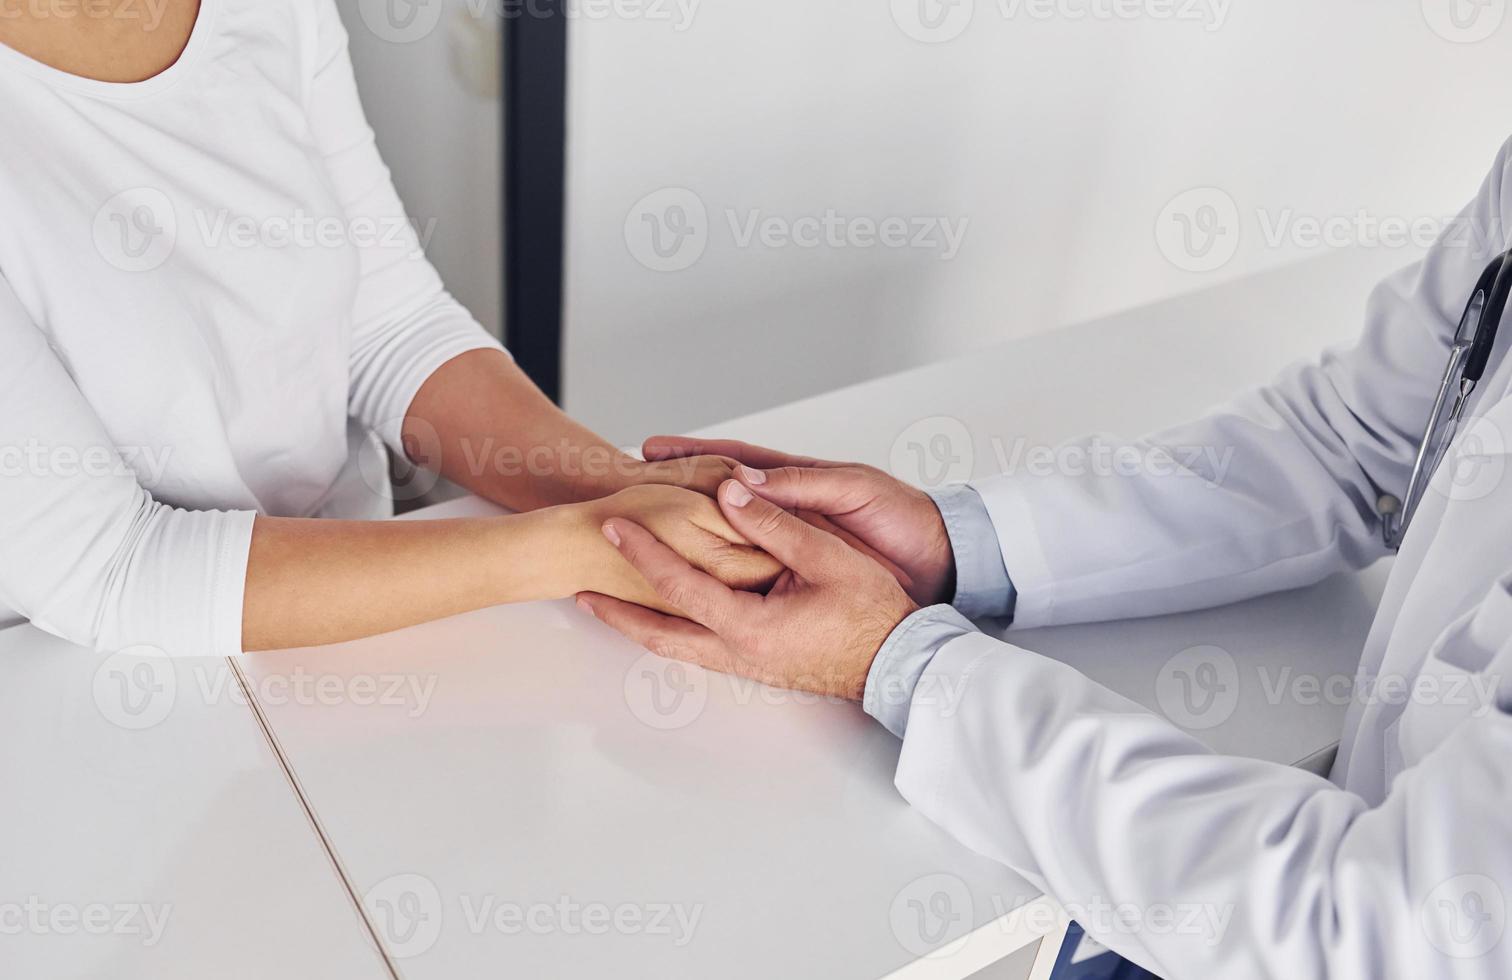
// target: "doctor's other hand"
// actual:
[[818, 629], [896, 524], [689, 522]]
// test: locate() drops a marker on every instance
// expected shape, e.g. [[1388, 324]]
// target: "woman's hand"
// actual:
[[686, 521], [703, 473], [895, 524]]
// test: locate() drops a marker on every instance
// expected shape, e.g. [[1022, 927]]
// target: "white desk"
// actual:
[[148, 832], [541, 766]]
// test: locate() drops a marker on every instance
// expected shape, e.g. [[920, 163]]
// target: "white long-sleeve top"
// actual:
[[203, 277], [1397, 866]]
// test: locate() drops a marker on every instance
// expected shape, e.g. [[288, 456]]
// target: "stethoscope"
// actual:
[[1467, 362]]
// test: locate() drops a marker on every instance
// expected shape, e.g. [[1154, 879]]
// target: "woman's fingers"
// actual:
[[700, 596], [676, 447]]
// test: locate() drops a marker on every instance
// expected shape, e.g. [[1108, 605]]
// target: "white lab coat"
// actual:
[[1400, 864]]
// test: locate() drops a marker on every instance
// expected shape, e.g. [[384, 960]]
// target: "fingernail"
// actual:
[[584, 606], [736, 495], [611, 534], [754, 477]]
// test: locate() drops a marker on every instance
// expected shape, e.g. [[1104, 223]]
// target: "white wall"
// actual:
[[429, 86], [1060, 140]]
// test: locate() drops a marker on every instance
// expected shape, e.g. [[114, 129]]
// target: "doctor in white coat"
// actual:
[[1397, 865]]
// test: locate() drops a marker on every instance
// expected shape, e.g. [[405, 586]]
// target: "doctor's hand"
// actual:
[[886, 518], [817, 630], [689, 522]]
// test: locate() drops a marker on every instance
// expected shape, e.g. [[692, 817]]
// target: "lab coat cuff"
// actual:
[[982, 584], [1008, 504], [893, 681]]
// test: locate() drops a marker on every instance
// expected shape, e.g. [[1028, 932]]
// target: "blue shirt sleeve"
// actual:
[[894, 680], [983, 587]]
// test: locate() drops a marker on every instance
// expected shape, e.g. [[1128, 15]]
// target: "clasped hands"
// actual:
[[796, 578]]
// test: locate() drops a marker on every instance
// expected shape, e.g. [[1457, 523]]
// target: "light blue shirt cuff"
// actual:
[[983, 587], [895, 674]]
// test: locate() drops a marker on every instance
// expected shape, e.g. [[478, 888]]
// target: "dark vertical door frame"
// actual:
[[534, 154]]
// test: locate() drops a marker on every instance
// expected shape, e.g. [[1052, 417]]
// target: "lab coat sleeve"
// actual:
[[88, 554], [405, 323], [1275, 490], [1197, 865]]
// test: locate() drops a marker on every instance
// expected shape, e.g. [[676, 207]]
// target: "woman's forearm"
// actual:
[[311, 582], [482, 423]]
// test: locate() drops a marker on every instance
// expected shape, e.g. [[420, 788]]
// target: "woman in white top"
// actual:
[[210, 299]]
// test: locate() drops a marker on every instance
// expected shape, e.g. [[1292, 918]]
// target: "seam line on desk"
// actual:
[[309, 811]]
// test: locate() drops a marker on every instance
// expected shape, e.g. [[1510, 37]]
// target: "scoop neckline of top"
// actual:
[[199, 35]]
